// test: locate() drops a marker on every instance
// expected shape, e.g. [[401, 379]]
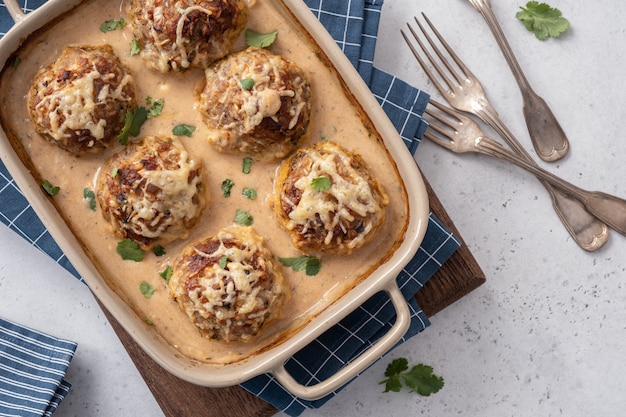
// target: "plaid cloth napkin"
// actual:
[[32, 370], [354, 26]]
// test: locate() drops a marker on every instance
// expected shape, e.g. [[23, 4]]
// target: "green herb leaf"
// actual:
[[246, 165], [114, 172], [183, 130], [148, 321], [146, 289], [180, 10], [321, 183], [420, 378], [158, 250], [157, 108], [243, 218], [247, 83], [166, 274], [310, 264], [135, 47], [227, 186], [135, 118], [49, 188], [543, 20], [112, 24], [250, 193], [128, 249], [223, 262], [260, 40], [16, 62], [90, 196]]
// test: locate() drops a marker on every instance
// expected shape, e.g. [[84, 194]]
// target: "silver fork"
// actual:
[[458, 133], [545, 131], [464, 92]]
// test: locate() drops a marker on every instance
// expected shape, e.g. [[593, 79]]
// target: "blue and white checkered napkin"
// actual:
[[354, 26], [32, 371]]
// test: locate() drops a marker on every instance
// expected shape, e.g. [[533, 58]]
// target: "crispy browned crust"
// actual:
[[222, 318], [122, 183], [73, 64], [311, 237], [208, 30], [224, 104]]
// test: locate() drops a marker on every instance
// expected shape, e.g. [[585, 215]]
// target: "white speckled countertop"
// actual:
[[545, 336]]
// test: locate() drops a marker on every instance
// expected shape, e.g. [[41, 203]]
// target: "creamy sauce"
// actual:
[[334, 117]]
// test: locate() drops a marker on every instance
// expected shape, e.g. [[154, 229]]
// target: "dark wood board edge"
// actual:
[[177, 398]]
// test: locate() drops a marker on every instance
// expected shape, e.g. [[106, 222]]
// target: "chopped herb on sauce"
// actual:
[[158, 250], [247, 164], [183, 130], [227, 186], [50, 189], [111, 25], [146, 289], [129, 250], [135, 118], [166, 274], [157, 107], [249, 193], [260, 40], [90, 196], [243, 218], [135, 47], [310, 264]]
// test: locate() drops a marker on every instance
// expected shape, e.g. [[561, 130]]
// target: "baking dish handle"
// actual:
[[358, 364], [14, 10]]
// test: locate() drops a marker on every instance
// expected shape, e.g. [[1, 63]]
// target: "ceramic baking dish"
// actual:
[[270, 360]]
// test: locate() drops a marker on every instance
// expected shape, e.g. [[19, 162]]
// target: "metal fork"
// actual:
[[458, 133], [545, 131], [464, 92]]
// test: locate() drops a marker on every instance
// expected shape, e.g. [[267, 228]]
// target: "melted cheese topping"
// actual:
[[349, 192], [70, 106]]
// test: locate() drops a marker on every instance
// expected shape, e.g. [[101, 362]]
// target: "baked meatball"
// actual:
[[229, 284], [179, 34], [151, 192], [79, 102], [255, 102], [327, 200]]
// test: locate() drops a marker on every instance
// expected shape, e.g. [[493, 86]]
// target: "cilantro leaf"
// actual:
[[90, 196], [158, 250], [227, 186], [310, 264], [135, 118], [166, 274], [146, 289], [247, 83], [419, 378], [157, 107], [223, 262], [543, 20], [246, 165], [249, 193], [321, 183], [128, 249], [111, 25], [183, 130], [260, 40], [135, 47], [243, 218], [49, 188]]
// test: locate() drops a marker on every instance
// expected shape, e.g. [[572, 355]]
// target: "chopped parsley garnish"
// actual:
[[135, 47], [166, 274], [223, 261], [129, 250], [112, 24], [114, 172], [16, 62], [183, 130], [260, 40], [158, 250], [320, 183], [310, 264], [227, 186], [249, 193], [246, 165], [135, 118], [243, 218], [90, 196], [50, 189], [247, 83], [181, 10], [543, 20], [157, 107], [146, 289], [419, 379]]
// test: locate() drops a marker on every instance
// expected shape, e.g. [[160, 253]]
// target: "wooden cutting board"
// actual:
[[177, 398]]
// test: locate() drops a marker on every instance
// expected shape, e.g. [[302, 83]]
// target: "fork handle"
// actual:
[[546, 134], [608, 208]]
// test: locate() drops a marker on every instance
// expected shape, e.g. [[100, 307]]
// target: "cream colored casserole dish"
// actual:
[[342, 111]]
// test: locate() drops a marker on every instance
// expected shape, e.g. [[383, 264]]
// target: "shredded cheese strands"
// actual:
[[349, 191], [181, 41]]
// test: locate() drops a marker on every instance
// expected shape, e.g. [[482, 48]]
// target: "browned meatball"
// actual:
[[152, 192], [255, 102], [229, 284], [80, 101], [327, 200], [179, 34]]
